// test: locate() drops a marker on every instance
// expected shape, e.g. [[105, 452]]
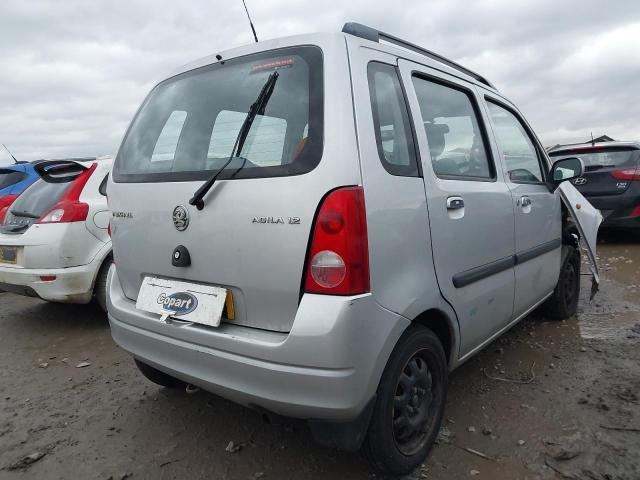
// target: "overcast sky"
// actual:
[[75, 71]]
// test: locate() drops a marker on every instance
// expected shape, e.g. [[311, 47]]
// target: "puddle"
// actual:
[[610, 327], [614, 313]]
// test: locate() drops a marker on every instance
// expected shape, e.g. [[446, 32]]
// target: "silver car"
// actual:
[[324, 226]]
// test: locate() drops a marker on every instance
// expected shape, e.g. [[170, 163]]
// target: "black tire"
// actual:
[[564, 301], [409, 405], [158, 377], [100, 287]]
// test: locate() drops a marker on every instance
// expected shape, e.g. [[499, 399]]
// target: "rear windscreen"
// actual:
[[34, 202], [10, 177], [188, 125], [595, 159]]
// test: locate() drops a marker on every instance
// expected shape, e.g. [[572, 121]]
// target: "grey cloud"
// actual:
[[74, 72]]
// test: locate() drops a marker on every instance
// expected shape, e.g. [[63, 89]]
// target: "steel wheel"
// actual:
[[412, 405]]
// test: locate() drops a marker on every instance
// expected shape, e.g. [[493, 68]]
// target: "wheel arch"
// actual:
[[106, 257], [445, 329]]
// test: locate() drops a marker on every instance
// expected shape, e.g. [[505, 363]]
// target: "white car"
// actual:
[[54, 239]]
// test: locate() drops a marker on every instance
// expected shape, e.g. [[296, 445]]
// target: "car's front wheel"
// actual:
[[409, 404], [564, 301]]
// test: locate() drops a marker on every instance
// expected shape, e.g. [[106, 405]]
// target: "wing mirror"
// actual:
[[566, 169]]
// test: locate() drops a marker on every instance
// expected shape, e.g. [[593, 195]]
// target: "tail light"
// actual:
[[627, 174], [69, 208], [7, 200], [3, 213], [338, 260]]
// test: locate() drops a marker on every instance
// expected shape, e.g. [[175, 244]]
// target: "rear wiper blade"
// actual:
[[257, 108], [24, 214]]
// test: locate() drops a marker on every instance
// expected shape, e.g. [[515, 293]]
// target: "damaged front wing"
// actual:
[[587, 220]]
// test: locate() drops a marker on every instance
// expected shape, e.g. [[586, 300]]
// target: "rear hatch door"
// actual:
[[251, 236]]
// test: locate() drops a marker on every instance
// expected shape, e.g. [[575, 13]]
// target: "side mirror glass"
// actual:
[[566, 169]]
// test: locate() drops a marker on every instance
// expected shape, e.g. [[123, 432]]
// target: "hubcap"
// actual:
[[412, 405]]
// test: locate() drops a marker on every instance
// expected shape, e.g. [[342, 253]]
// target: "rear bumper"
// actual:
[[617, 209], [72, 285], [327, 368]]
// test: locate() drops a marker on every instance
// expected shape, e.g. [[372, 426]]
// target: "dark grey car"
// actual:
[[611, 180]]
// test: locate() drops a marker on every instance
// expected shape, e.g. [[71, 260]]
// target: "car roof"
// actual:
[[314, 39]]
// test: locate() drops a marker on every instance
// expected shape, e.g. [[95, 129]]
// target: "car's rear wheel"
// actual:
[[564, 301], [158, 377], [100, 287], [409, 404]]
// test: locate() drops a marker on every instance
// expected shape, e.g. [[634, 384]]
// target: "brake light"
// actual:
[[3, 213], [69, 208], [635, 213], [338, 260], [7, 200], [626, 174]]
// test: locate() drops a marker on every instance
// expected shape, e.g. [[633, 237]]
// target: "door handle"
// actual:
[[525, 201], [455, 203]]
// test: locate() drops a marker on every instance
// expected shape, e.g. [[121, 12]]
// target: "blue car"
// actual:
[[14, 179]]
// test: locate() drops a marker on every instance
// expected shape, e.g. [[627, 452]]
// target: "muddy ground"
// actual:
[[574, 414]]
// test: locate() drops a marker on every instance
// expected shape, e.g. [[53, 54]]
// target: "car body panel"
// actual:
[[482, 235], [29, 176], [587, 219]]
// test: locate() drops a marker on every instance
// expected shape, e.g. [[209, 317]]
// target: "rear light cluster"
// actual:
[[69, 208], [338, 260], [5, 203], [627, 174]]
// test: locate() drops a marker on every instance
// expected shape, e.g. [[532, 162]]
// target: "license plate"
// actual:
[[9, 255], [190, 302]]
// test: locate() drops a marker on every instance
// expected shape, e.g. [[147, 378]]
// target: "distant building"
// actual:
[[600, 139]]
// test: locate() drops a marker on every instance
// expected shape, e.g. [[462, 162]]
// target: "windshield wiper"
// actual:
[[24, 214], [257, 108]]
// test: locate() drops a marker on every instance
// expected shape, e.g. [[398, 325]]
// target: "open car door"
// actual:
[[587, 220]]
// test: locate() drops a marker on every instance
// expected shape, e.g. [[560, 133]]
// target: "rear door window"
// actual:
[[391, 121], [187, 126], [457, 142], [521, 156]]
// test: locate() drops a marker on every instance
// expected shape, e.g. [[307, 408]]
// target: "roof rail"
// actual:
[[368, 33]]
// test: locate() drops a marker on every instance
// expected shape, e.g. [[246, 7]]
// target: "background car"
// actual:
[[54, 241], [14, 179], [611, 180]]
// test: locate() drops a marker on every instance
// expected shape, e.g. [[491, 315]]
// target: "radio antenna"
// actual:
[[250, 22], [14, 158]]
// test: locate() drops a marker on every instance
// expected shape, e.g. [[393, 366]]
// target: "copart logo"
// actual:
[[180, 218], [179, 303]]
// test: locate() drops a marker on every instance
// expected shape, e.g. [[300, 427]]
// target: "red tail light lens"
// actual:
[[3, 213], [626, 174], [69, 208], [339, 251], [7, 200]]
